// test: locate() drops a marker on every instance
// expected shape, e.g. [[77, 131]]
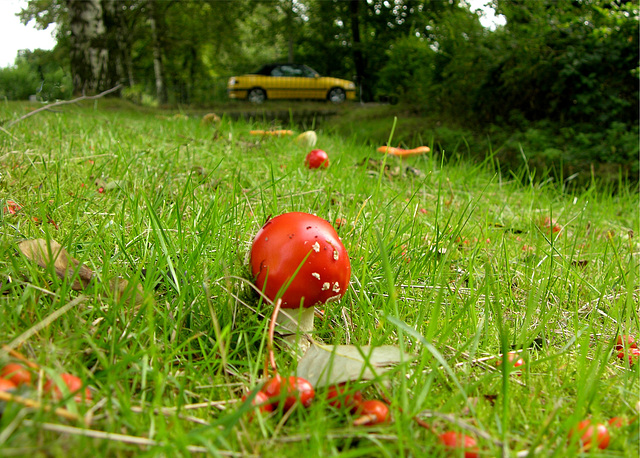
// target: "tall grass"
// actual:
[[452, 262]]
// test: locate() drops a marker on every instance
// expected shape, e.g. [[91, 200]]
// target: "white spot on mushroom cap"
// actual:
[[316, 247], [336, 287], [336, 255], [326, 285], [316, 275]]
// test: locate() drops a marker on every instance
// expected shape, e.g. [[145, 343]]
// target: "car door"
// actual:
[[293, 81], [290, 82]]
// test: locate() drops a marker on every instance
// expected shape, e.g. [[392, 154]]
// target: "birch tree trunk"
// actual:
[[88, 60], [158, 67], [94, 50]]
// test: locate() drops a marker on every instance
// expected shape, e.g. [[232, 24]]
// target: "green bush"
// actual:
[[35, 73], [18, 83]]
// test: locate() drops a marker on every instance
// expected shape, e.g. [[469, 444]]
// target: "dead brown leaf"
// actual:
[[123, 290], [48, 253]]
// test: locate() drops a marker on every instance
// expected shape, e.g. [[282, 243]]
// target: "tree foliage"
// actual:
[[564, 60], [567, 62]]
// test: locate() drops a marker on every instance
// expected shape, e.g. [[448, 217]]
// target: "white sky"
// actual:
[[15, 36], [488, 18]]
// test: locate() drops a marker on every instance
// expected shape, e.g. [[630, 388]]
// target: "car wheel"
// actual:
[[256, 95], [336, 95]]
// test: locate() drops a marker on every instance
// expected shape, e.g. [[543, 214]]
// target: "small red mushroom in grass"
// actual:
[[16, 373], [7, 385], [590, 435], [627, 349], [458, 442], [548, 223], [316, 159], [287, 391], [514, 360], [372, 412], [73, 385], [340, 398]]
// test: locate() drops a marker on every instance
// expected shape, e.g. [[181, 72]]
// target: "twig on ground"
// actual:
[[8, 133], [64, 102], [63, 429], [64, 413]]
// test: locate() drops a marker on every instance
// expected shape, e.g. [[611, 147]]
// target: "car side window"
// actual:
[[290, 70], [308, 72]]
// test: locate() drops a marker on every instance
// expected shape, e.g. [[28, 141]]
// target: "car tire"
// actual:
[[256, 95], [336, 95]]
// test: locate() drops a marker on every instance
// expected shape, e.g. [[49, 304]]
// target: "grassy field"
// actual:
[[454, 263]]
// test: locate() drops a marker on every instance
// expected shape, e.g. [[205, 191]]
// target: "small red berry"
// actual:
[[454, 440], [372, 412], [617, 422], [625, 341], [7, 385], [592, 435], [16, 373], [339, 398], [514, 358], [260, 400], [288, 390], [633, 354], [74, 385]]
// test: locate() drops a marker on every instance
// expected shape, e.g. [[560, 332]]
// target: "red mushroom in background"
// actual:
[[7, 385], [16, 373], [459, 442], [72, 383], [299, 258], [317, 158], [591, 435]]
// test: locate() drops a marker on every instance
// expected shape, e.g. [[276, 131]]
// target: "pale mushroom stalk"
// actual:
[[299, 322]]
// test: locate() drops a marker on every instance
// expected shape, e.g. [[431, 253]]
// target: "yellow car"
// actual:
[[289, 81]]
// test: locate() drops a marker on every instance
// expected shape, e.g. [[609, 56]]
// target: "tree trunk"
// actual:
[[89, 57], [158, 67], [290, 31], [358, 58], [94, 45]]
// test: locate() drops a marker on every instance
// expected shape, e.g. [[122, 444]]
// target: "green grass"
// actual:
[[449, 261]]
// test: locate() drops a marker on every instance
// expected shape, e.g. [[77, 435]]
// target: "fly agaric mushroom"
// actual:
[[299, 258]]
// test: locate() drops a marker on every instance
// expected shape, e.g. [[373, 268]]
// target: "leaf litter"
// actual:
[[325, 365], [50, 254]]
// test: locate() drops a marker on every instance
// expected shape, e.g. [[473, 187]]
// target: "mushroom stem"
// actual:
[[270, 361], [298, 321]]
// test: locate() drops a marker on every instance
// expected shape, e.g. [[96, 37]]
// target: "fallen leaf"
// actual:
[[123, 289], [12, 207], [325, 365], [50, 253], [116, 184]]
